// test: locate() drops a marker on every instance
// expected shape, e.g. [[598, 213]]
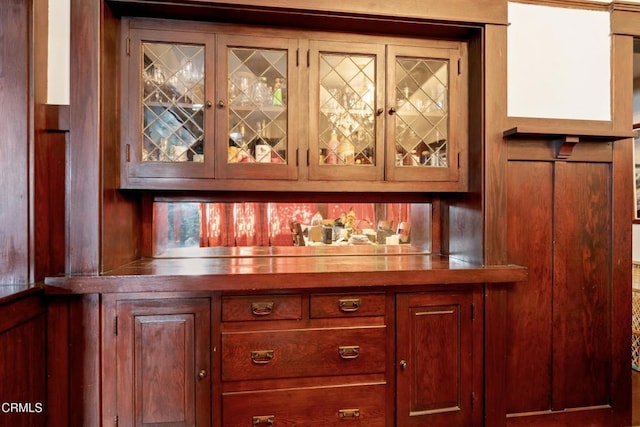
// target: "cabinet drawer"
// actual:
[[300, 353], [340, 305], [261, 307], [356, 405]]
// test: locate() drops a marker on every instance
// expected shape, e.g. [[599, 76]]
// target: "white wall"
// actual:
[[58, 58], [558, 63]]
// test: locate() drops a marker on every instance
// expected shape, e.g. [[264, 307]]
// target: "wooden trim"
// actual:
[[478, 11], [56, 118], [626, 6], [624, 18], [584, 135], [568, 4]]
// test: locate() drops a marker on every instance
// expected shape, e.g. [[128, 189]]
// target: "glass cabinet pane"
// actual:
[[173, 102], [422, 112], [257, 105], [347, 104]]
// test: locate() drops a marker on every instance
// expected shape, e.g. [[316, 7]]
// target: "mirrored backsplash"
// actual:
[[183, 227]]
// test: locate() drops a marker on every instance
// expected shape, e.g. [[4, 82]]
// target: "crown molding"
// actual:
[[570, 4]]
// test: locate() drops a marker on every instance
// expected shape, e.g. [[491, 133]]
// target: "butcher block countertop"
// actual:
[[253, 269]]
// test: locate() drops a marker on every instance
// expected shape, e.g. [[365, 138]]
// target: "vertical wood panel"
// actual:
[[15, 140], [84, 360], [623, 182], [22, 361], [529, 316], [582, 292], [57, 362], [83, 161]]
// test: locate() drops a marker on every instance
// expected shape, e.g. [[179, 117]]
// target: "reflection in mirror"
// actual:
[[184, 226]]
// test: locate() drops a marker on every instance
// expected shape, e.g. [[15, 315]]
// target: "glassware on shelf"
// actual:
[[261, 95], [240, 87]]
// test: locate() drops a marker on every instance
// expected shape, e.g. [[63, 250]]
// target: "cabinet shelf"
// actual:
[[565, 139], [584, 135]]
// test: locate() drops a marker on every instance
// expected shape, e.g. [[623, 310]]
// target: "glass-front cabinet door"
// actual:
[[425, 125], [346, 111], [172, 136], [254, 107]]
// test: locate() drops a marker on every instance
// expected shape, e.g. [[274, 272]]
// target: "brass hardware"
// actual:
[[392, 111], [379, 111], [349, 305], [261, 308], [403, 364], [208, 104], [349, 352], [202, 374], [349, 413], [264, 420], [221, 104], [261, 357]]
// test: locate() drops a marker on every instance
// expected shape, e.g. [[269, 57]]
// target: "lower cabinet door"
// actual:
[[434, 356], [163, 362], [349, 405]]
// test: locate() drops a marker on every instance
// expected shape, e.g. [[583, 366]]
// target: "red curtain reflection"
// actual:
[[257, 224]]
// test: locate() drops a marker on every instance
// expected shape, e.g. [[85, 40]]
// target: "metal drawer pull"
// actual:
[[349, 351], [349, 413], [264, 420], [261, 308], [349, 305], [261, 357]]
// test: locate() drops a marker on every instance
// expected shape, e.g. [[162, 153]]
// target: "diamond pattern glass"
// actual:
[[347, 104], [422, 113], [173, 103], [257, 105]]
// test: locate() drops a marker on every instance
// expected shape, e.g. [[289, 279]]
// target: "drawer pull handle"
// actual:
[[261, 308], [261, 357], [349, 413], [349, 305], [349, 352], [264, 421]]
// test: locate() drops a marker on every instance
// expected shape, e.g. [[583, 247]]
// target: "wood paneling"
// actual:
[[16, 140], [560, 346], [529, 227], [582, 289], [22, 362]]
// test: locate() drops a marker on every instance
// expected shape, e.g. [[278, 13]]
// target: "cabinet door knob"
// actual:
[[221, 104], [208, 104], [403, 364], [379, 111], [392, 111], [202, 374]]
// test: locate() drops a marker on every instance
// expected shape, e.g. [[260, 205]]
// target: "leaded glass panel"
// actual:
[[173, 102]]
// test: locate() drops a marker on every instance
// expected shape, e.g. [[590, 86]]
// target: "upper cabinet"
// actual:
[[253, 107], [219, 107], [168, 131]]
